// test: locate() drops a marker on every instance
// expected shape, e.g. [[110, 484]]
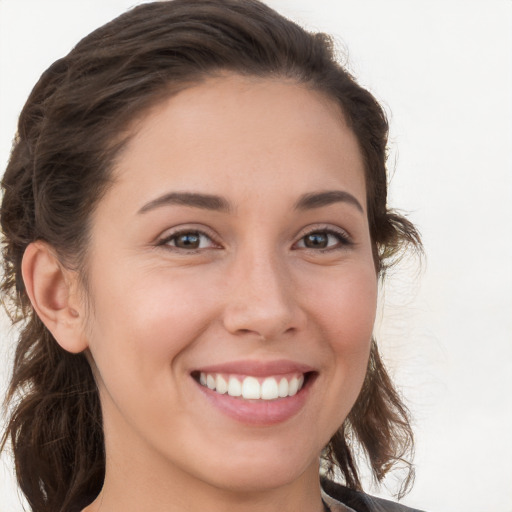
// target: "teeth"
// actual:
[[221, 385], [250, 388], [210, 381], [293, 386], [283, 388], [234, 387], [269, 389]]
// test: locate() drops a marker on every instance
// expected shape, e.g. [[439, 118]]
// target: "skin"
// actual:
[[253, 290]]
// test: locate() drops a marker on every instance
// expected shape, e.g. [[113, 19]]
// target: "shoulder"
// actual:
[[335, 496]]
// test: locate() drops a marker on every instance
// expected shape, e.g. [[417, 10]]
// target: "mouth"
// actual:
[[253, 387], [257, 393]]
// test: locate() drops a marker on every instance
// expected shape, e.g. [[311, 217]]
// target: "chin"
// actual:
[[256, 481], [264, 473]]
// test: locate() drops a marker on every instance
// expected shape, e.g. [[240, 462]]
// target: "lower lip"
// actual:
[[258, 412]]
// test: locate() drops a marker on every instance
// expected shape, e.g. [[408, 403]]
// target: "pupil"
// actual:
[[190, 240], [316, 240]]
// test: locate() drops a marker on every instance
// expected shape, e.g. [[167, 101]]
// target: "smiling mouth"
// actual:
[[249, 387]]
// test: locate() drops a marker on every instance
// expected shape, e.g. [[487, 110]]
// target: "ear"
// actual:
[[53, 292]]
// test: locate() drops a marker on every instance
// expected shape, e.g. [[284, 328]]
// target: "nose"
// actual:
[[262, 299]]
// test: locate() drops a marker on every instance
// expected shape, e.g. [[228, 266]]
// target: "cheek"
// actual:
[[345, 312], [345, 309], [142, 326], [142, 322], [357, 309]]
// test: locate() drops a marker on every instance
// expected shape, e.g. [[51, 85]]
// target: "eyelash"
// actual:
[[342, 237], [166, 242]]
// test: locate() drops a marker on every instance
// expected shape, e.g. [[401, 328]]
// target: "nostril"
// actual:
[[249, 332]]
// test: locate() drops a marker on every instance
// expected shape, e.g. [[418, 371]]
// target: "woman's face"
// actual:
[[231, 255]]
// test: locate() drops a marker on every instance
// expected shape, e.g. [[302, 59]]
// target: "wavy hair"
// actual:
[[69, 133]]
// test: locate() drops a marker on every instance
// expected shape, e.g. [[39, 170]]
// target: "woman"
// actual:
[[195, 222]]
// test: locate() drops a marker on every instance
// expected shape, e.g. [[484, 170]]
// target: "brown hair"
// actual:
[[69, 133]]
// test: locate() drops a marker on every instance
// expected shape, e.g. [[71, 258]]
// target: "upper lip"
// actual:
[[257, 368]]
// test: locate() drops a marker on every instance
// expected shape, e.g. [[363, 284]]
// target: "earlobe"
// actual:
[[53, 292]]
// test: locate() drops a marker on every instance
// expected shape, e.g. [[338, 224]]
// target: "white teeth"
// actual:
[[210, 381], [293, 387], [221, 385], [250, 388], [283, 388], [234, 387], [269, 389]]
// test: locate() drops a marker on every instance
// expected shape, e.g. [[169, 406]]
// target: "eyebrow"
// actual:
[[218, 203], [193, 199], [320, 199]]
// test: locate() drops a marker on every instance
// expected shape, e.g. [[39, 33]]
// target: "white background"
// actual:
[[443, 70]]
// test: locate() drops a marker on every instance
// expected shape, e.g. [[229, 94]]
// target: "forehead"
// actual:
[[234, 133]]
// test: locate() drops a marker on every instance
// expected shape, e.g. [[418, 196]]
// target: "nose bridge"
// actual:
[[261, 298]]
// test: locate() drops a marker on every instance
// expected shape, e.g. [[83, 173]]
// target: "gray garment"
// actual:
[[334, 505], [341, 499]]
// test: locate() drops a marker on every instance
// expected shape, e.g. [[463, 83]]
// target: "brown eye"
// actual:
[[316, 240], [188, 240], [324, 240]]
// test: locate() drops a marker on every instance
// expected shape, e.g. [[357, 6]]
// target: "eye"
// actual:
[[324, 239], [188, 240]]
